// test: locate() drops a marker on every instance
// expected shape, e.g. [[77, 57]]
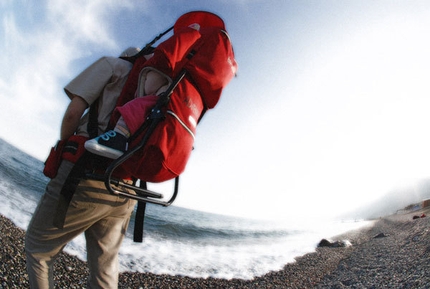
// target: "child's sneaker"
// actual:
[[110, 144]]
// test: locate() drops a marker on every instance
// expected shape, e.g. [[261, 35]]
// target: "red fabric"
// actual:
[[136, 111], [54, 159], [165, 58], [170, 52], [76, 141], [210, 69], [169, 147], [203, 18], [213, 65]]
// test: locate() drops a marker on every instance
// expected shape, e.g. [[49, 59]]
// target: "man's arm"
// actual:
[[71, 118]]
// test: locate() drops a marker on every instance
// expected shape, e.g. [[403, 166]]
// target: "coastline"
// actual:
[[400, 258]]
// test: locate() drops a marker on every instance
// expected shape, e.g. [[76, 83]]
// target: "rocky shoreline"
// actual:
[[393, 253]]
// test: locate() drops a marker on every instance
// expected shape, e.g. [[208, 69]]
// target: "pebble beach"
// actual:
[[394, 252]]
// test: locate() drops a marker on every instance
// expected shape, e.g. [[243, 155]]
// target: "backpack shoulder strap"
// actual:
[[77, 172], [93, 124]]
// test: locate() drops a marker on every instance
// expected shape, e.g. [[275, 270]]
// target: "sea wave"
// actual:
[[177, 241]]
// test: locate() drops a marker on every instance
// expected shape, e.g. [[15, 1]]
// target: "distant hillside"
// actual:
[[394, 201]]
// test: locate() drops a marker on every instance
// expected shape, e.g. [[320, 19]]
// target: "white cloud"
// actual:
[[85, 21], [36, 62]]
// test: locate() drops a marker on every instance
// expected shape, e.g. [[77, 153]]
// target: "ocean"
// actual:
[[177, 241]]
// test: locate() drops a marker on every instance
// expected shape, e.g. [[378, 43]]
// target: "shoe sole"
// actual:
[[96, 148]]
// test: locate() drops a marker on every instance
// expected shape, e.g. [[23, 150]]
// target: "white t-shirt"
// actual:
[[103, 80]]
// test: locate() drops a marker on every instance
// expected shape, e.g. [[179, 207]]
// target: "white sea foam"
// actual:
[[228, 257]]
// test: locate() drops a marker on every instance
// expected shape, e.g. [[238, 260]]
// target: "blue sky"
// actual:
[[329, 108]]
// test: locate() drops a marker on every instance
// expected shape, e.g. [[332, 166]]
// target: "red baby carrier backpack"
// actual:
[[201, 67]]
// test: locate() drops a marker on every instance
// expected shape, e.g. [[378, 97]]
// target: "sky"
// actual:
[[328, 112]]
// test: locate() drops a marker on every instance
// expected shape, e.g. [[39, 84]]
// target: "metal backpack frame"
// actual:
[[119, 187]]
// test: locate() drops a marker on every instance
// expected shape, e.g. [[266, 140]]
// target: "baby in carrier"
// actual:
[[154, 79]]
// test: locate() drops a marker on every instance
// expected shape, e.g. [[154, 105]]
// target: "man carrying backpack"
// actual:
[[72, 203], [101, 216]]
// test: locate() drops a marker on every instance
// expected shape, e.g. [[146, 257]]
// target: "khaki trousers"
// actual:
[[102, 217]]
